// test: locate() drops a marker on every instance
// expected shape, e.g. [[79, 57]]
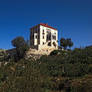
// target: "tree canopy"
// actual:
[[66, 43], [21, 47]]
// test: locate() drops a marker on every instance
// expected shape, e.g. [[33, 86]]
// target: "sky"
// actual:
[[72, 18]]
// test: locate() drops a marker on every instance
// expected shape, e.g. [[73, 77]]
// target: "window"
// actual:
[[49, 44], [54, 44], [43, 37], [36, 36], [48, 36], [43, 43], [43, 32], [55, 33], [53, 37]]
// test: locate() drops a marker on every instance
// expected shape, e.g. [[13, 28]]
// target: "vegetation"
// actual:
[[3, 56], [64, 43], [61, 71], [21, 47]]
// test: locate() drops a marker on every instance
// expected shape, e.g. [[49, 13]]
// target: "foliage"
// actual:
[[82, 85], [4, 56], [69, 42], [63, 43], [67, 64], [61, 71], [20, 77], [21, 47], [75, 70], [55, 52], [66, 43]]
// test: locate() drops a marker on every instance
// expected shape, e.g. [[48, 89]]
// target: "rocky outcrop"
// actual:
[[36, 54]]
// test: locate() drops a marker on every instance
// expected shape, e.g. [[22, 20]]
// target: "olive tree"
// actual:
[[21, 46]]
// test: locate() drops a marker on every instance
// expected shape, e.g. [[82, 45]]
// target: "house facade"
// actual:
[[43, 37]]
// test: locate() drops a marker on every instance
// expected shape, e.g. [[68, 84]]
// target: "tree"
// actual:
[[66, 43], [63, 43], [21, 47], [69, 42]]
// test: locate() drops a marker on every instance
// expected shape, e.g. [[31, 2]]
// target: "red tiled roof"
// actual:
[[46, 25]]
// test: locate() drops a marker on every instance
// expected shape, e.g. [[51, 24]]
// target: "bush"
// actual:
[[4, 56], [82, 85], [23, 76], [75, 70], [56, 52]]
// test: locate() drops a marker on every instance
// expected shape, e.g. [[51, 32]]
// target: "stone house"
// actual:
[[43, 37]]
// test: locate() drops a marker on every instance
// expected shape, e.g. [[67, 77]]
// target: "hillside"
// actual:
[[61, 71]]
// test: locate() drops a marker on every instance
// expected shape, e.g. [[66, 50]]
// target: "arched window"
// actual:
[[54, 44], [49, 44]]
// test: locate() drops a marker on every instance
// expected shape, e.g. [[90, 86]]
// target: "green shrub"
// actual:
[[82, 85], [75, 70], [55, 52]]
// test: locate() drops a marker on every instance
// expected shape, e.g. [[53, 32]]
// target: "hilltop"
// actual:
[[61, 71], [25, 70]]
